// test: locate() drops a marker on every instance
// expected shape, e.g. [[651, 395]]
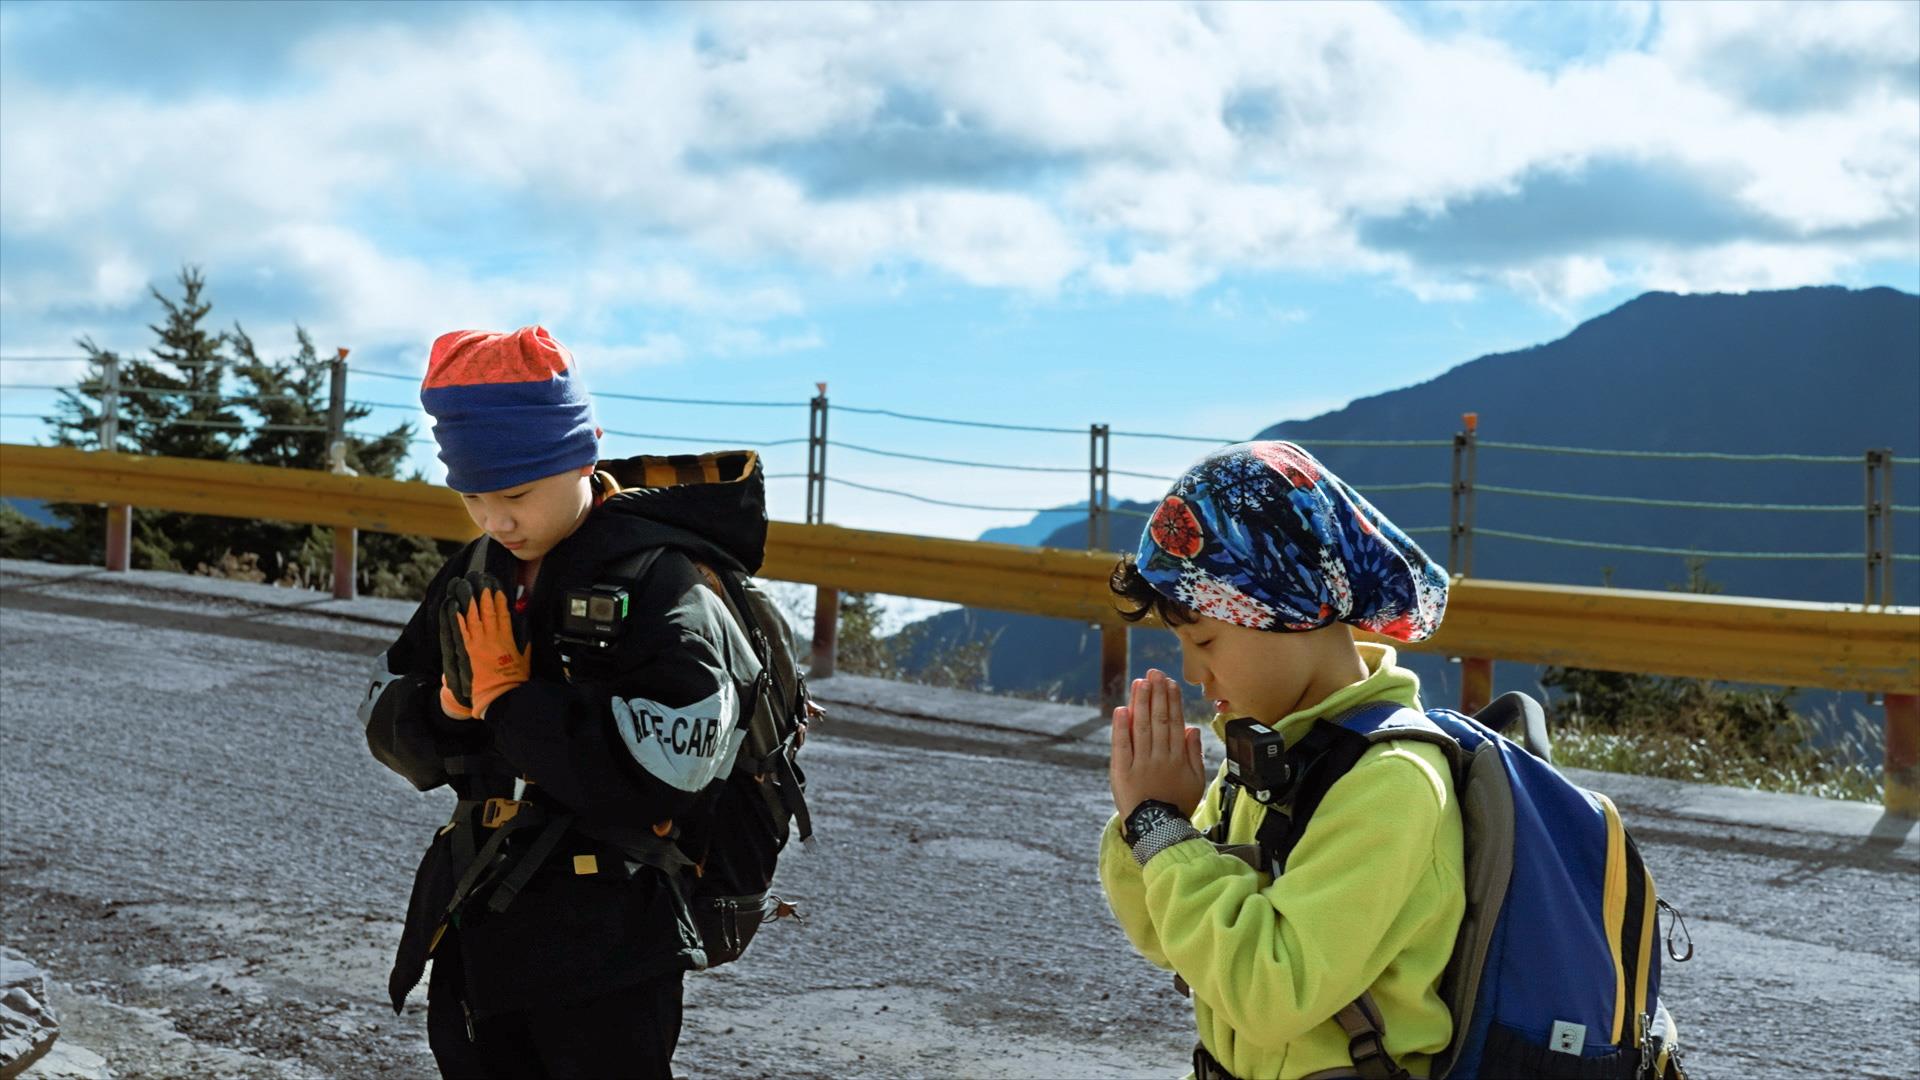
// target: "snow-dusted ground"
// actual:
[[194, 841]]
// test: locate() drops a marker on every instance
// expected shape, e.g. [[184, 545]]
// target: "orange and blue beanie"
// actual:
[[507, 408], [1262, 535]]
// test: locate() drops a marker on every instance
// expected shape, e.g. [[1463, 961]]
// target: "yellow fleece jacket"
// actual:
[[1371, 898]]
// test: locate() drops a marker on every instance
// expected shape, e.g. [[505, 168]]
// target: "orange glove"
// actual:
[[450, 704], [488, 632]]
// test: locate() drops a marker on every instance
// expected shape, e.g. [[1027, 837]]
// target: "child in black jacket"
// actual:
[[584, 758]]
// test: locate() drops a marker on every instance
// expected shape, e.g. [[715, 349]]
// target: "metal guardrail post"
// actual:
[[1472, 455], [109, 402], [1879, 545], [1453, 502], [346, 541], [1466, 462], [1900, 761], [119, 538], [1099, 494], [817, 457], [1476, 672], [1114, 640], [826, 600]]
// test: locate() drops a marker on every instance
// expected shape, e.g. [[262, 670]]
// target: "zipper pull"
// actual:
[[1679, 923]]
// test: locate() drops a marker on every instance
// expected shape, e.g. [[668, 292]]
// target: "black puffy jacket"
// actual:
[[616, 741]]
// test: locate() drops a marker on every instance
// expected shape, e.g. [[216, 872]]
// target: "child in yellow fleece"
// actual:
[[1260, 560]]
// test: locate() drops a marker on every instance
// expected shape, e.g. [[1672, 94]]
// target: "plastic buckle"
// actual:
[[1370, 1046], [498, 812]]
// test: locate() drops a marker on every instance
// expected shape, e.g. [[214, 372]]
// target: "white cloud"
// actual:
[[1743, 267], [1796, 56], [679, 287], [753, 341], [653, 350], [678, 166], [1557, 282]]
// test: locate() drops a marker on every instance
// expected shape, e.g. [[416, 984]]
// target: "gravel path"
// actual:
[[194, 841]]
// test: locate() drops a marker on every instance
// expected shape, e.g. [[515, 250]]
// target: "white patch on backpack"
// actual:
[[686, 747], [1567, 1037]]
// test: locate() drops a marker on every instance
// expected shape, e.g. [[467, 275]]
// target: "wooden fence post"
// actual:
[[1901, 767], [119, 539], [826, 629], [1114, 662], [1476, 683]]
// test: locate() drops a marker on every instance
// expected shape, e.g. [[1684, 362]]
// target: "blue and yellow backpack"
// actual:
[[1556, 972]]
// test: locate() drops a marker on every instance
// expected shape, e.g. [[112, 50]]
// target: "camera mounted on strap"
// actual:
[[1257, 760], [592, 617]]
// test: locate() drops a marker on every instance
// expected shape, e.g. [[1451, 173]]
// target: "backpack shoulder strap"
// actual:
[[477, 559], [1328, 751], [1345, 739], [721, 588], [726, 587], [1320, 758], [776, 694], [629, 569]]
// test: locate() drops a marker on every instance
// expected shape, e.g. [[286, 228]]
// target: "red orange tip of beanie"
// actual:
[[468, 357]]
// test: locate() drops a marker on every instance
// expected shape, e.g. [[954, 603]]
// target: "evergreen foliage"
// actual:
[[211, 395], [862, 649], [1697, 729]]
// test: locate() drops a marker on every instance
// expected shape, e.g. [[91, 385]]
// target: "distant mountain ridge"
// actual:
[[1812, 371]]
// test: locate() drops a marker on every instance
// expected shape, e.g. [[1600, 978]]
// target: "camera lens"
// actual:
[[600, 609]]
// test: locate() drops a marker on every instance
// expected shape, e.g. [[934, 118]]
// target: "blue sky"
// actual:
[[1190, 218]]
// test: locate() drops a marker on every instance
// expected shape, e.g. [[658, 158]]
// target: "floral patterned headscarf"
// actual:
[[1261, 535]]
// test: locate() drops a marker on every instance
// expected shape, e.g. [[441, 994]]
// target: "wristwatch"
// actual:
[[1153, 827], [1144, 817]]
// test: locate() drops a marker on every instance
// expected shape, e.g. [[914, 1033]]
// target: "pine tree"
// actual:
[[185, 412], [173, 404], [177, 404], [291, 397]]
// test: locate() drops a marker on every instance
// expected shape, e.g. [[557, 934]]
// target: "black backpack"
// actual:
[[735, 838]]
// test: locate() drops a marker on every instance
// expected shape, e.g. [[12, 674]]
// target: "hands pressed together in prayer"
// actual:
[[1155, 754], [482, 646]]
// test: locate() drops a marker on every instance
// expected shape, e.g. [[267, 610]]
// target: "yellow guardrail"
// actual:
[[1740, 639], [230, 489]]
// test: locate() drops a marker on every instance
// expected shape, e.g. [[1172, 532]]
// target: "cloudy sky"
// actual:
[[1190, 218]]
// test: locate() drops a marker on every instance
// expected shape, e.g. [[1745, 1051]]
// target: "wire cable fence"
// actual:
[[1687, 504], [1648, 549], [938, 502], [1100, 505], [1671, 455], [1463, 489]]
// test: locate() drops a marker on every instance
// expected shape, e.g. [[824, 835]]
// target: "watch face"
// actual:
[[1144, 818]]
